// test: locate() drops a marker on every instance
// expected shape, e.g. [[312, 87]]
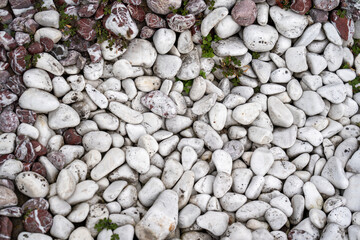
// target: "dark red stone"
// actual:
[[24, 150], [38, 221], [88, 10], [195, 6], [39, 149], [7, 183], [319, 15], [57, 158], [146, 32], [17, 60], [27, 166], [344, 25], [31, 26], [8, 121], [22, 38], [3, 56], [16, 84], [4, 66], [26, 116], [180, 23], [6, 16], [47, 43], [5, 157], [100, 12], [39, 168], [7, 41], [78, 43], [18, 4], [18, 24], [301, 6], [11, 212], [35, 48], [5, 228], [35, 203], [244, 12], [133, 2], [71, 137], [136, 12], [154, 21], [71, 58], [95, 53], [7, 98], [86, 28]]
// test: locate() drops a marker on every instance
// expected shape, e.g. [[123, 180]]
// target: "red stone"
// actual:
[[180, 23], [18, 4], [18, 24], [24, 150], [86, 28], [344, 25], [31, 26], [7, 41], [57, 158], [7, 98], [4, 66], [8, 121], [78, 43], [35, 203], [38, 221], [17, 60], [244, 12], [47, 43], [136, 12], [6, 16], [3, 56], [35, 48], [95, 53], [5, 157], [326, 5], [100, 12], [88, 10], [16, 84], [26, 116], [154, 21], [71, 58], [133, 2], [27, 166], [39, 149], [301, 6], [71, 137], [146, 32], [5, 228], [11, 212], [39, 168], [196, 6], [7, 183]]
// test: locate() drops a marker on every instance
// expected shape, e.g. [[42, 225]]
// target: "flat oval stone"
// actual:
[[63, 117], [32, 184], [97, 140], [38, 101], [48, 63], [260, 38], [37, 78]]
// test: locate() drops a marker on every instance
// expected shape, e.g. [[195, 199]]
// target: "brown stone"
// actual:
[[8, 121], [344, 25], [180, 23], [301, 6], [154, 21], [38, 221], [17, 60], [71, 137], [5, 228], [244, 12]]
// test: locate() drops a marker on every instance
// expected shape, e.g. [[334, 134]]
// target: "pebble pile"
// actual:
[[174, 119]]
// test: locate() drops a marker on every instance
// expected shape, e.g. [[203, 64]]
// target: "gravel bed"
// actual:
[[179, 119]]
